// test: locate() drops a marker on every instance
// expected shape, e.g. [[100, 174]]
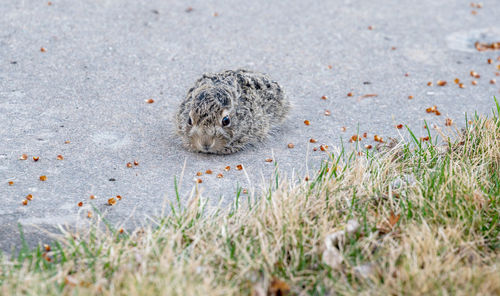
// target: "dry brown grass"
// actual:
[[428, 224]]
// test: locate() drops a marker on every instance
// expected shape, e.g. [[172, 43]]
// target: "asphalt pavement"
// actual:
[[76, 79]]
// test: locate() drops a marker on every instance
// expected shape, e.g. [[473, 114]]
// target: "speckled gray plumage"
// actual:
[[254, 103]]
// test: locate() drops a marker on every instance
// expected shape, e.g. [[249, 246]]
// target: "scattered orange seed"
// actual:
[[42, 49], [377, 138], [119, 197], [290, 145], [349, 94], [92, 197], [43, 178], [365, 135], [121, 230], [111, 201], [393, 48], [150, 101], [461, 85], [368, 96], [474, 74], [129, 164], [493, 81], [80, 204], [47, 248], [429, 83], [312, 140], [330, 67], [208, 172], [370, 27], [307, 122], [487, 46], [306, 178], [448, 122], [457, 81], [473, 12], [424, 139], [399, 126], [355, 138], [315, 149], [11, 183], [239, 167], [46, 257], [67, 142], [327, 113], [324, 97], [437, 113], [490, 61], [441, 83], [323, 147], [368, 146], [49, 3], [89, 214], [29, 197], [36, 158], [136, 162], [474, 82], [219, 175], [25, 202], [245, 191], [268, 160], [410, 97], [23, 157], [227, 168], [216, 14], [199, 174], [343, 128], [199, 181], [60, 157]]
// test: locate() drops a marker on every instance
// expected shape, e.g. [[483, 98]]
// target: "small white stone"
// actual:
[[138, 257], [410, 179], [332, 258], [334, 239], [405, 179], [397, 183], [352, 227], [364, 270]]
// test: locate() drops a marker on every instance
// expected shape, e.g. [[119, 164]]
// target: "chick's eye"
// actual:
[[190, 122], [226, 121]]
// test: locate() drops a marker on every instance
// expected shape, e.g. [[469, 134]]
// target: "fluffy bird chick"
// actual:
[[226, 112]]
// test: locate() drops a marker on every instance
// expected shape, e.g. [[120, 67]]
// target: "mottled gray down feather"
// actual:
[[251, 101]]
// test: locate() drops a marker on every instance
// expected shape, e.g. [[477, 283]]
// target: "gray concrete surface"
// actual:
[[104, 58]]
